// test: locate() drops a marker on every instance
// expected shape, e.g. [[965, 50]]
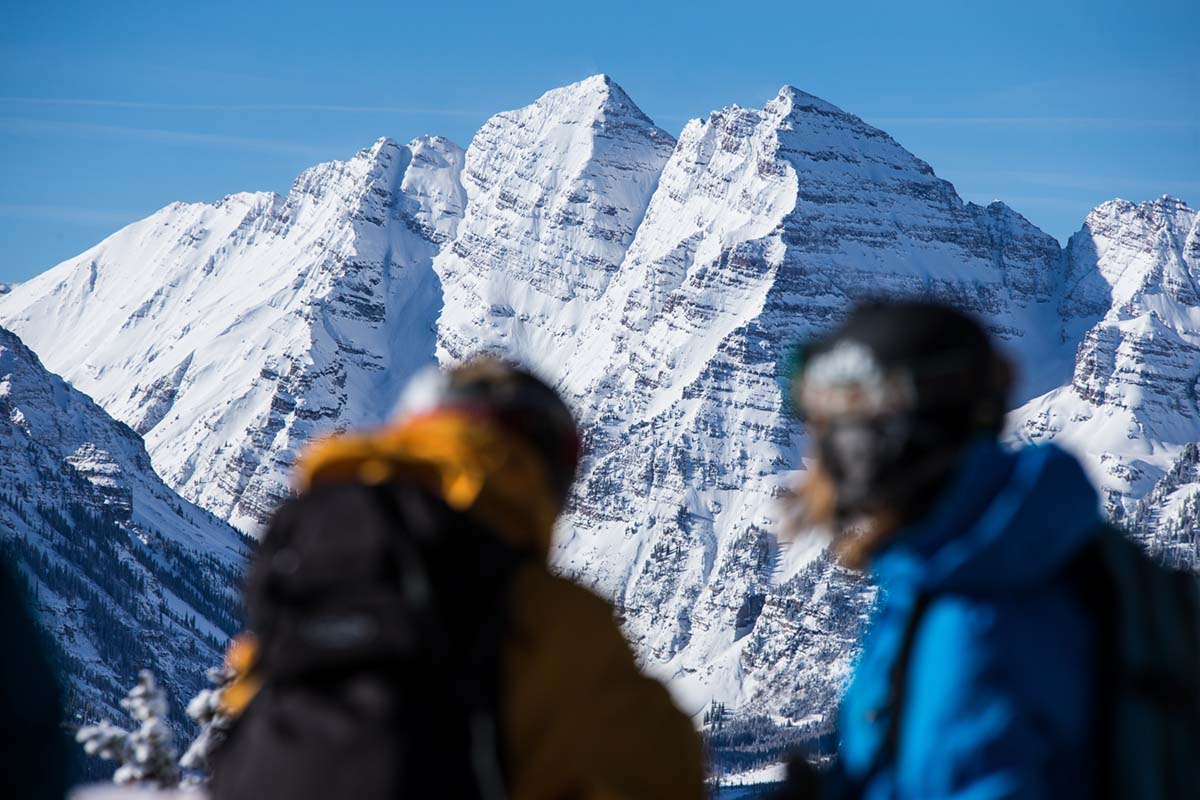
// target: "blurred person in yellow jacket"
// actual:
[[409, 639]]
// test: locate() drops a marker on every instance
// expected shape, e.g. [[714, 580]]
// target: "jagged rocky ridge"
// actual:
[[659, 283], [1133, 304], [228, 334], [124, 573]]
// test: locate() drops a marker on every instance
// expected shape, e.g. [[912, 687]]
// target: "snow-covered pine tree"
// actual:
[[206, 710], [145, 754]]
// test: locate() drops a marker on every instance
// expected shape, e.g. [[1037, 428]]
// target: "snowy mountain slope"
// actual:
[[1167, 519], [1131, 405], [228, 334], [124, 573], [660, 284]]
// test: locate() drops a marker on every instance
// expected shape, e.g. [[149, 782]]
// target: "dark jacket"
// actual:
[[33, 752], [580, 721]]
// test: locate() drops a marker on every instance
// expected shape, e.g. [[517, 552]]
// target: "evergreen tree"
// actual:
[[206, 710], [145, 754]]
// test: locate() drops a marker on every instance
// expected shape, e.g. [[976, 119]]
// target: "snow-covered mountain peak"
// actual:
[[601, 81], [1164, 207], [1139, 250], [1164, 210], [1133, 298], [801, 176], [844, 135], [797, 100], [1005, 213], [380, 145], [370, 177], [433, 148], [596, 108], [590, 101], [555, 193]]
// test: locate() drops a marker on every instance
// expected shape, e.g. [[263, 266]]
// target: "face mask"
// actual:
[[863, 458], [866, 432]]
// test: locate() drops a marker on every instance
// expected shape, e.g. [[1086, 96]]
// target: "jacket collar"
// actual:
[[1007, 520]]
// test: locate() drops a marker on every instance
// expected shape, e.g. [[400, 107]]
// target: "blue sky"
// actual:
[[110, 111]]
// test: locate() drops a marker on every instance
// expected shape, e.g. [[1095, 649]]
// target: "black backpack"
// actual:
[[1148, 711], [381, 614]]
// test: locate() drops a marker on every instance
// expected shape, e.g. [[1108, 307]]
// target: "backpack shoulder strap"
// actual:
[[898, 685], [473, 665]]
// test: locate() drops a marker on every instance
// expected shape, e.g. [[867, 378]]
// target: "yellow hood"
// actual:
[[471, 463]]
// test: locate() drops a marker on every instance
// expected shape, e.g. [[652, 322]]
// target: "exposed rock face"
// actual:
[[124, 573], [660, 284], [229, 334], [1131, 405]]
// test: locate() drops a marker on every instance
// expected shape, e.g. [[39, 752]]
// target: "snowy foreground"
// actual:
[[112, 792], [737, 786], [109, 791], [659, 282]]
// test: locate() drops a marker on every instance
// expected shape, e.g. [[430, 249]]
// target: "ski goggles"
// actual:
[[846, 382]]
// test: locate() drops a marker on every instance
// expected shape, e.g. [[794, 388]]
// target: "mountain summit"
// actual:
[[555, 193]]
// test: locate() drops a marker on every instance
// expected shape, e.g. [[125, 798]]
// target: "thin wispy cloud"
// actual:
[[70, 214], [1035, 121], [159, 136], [1019, 201], [134, 104], [1148, 185]]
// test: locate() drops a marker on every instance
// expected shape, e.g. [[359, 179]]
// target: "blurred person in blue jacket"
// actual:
[[977, 678]]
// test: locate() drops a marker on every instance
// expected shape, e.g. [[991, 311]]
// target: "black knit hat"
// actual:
[[892, 395], [519, 402], [953, 376]]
